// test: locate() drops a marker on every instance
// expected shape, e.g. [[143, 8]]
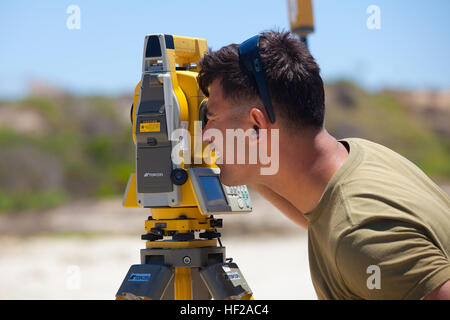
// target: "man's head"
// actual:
[[294, 85]]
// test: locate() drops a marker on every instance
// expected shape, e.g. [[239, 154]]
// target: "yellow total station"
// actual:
[[182, 258]]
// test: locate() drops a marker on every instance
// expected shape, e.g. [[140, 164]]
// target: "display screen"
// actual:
[[212, 189]]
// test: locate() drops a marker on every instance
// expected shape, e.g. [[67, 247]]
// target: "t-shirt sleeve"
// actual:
[[389, 259]]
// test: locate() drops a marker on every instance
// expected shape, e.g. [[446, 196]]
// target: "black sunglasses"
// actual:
[[250, 60]]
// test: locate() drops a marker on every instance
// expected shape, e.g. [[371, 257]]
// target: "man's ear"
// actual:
[[258, 119]]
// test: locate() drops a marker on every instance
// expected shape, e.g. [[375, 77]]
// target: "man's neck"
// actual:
[[307, 164]]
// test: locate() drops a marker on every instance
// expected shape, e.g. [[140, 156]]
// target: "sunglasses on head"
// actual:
[[250, 60]]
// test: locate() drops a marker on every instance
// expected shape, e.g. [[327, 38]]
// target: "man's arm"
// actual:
[[441, 293], [282, 204]]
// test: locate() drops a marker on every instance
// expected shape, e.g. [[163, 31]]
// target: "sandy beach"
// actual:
[[84, 250]]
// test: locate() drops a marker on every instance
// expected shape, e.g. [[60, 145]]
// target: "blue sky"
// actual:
[[411, 50]]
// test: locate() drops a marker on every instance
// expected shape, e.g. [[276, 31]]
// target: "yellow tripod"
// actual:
[[183, 269]]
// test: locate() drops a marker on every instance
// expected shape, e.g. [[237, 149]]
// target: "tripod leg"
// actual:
[[183, 283], [199, 289]]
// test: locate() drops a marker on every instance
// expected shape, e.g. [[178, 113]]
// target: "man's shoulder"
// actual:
[[378, 185], [385, 181], [379, 205], [378, 158], [373, 151], [383, 171], [371, 180]]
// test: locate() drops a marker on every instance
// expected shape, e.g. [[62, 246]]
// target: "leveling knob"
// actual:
[[178, 176]]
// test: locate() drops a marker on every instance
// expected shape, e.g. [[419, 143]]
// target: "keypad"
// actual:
[[241, 195]]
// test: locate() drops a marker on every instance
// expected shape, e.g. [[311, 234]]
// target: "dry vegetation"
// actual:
[[55, 147]]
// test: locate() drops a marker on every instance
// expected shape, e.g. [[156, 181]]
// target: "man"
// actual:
[[378, 227]]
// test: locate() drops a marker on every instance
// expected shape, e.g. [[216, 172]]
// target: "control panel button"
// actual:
[[240, 203]]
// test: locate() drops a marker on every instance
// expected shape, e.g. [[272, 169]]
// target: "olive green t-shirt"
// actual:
[[381, 229]]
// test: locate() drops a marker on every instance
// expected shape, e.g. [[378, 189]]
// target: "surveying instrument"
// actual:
[[184, 258], [301, 18]]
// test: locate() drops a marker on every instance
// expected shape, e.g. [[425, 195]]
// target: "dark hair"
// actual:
[[292, 75]]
